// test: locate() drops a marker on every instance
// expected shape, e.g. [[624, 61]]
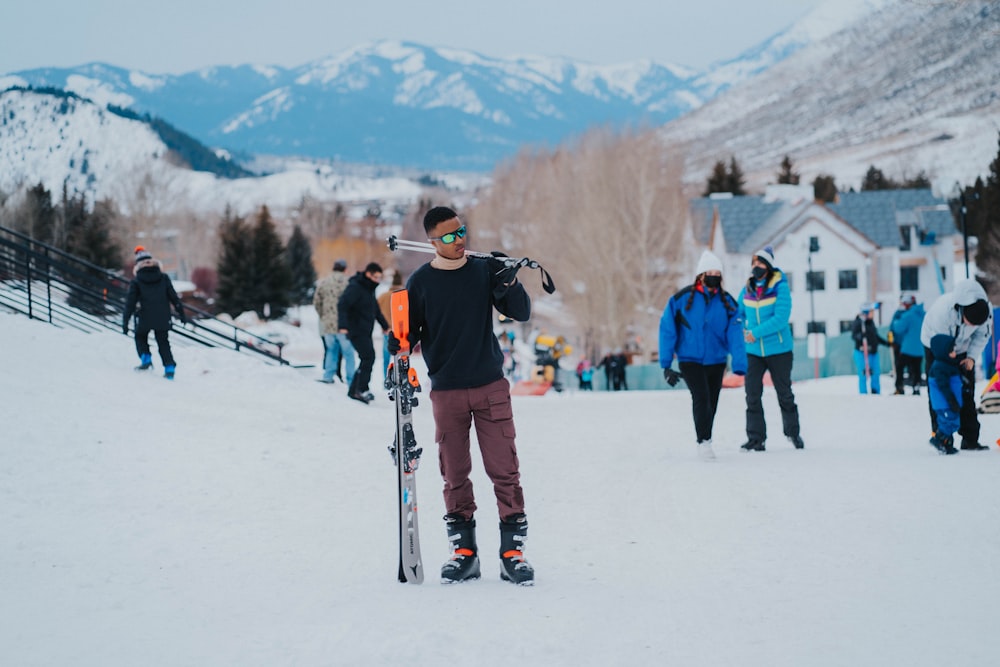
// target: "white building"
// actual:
[[868, 247]]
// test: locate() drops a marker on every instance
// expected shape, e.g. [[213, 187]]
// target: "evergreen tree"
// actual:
[[788, 175], [272, 277], [235, 267], [825, 188], [90, 236], [718, 181], [919, 182], [875, 180], [982, 219], [734, 179], [38, 216], [300, 264]]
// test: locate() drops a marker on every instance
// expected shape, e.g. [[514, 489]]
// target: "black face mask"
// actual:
[[712, 282], [758, 272]]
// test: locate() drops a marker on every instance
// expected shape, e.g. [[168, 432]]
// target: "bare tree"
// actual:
[[606, 216]]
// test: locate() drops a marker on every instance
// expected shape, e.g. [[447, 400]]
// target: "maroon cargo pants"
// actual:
[[489, 407]]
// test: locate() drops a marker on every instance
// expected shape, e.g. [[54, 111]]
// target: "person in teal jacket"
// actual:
[[765, 305], [701, 327]]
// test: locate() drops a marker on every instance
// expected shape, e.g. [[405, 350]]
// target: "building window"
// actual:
[[816, 327], [909, 278], [846, 325], [815, 281], [848, 279], [905, 234]]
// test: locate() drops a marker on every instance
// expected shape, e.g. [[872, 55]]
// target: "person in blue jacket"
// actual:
[[765, 305], [906, 334], [701, 327]]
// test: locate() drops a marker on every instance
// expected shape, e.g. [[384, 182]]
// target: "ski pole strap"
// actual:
[[395, 244]]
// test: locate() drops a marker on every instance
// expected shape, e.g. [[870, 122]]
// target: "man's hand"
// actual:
[[968, 363], [671, 376], [393, 344]]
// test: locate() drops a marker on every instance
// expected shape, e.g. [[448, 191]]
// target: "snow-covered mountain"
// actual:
[[407, 104], [61, 139], [907, 86], [910, 87]]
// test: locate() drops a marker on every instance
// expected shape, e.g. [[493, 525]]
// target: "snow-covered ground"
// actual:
[[244, 514]]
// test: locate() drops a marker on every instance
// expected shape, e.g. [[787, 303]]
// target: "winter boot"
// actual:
[[972, 446], [168, 372], [146, 362], [943, 444], [513, 533], [464, 562], [797, 441], [752, 446], [705, 452]]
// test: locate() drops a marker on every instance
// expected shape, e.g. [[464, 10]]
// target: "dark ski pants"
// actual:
[[704, 383], [489, 408], [780, 367], [913, 367], [366, 353], [968, 417], [162, 344]]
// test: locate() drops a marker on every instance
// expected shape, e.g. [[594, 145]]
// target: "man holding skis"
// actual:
[[451, 301]]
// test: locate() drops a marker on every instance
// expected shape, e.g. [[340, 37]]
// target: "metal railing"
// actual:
[[48, 284]]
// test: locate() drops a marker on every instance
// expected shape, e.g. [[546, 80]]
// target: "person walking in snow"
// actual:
[[765, 306], [357, 311], [451, 300], [964, 314], [150, 295], [944, 387], [701, 326], [906, 334], [866, 339], [337, 346]]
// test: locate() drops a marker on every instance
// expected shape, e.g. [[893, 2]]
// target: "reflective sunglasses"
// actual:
[[450, 237]]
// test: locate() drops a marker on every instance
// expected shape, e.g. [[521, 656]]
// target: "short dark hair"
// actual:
[[436, 216], [373, 267]]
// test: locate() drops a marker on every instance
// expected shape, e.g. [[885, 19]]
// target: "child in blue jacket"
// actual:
[[944, 383]]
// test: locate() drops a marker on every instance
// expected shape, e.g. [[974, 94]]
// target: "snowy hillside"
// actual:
[[54, 140], [909, 88], [244, 514]]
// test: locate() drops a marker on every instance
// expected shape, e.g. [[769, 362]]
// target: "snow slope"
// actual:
[[244, 515]]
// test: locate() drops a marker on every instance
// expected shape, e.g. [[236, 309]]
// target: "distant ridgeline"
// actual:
[[194, 153]]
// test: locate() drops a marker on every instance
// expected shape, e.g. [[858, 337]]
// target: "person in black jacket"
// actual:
[[150, 295], [866, 341], [451, 301], [357, 311]]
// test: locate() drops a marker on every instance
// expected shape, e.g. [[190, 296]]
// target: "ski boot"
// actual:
[[513, 533], [464, 562], [146, 362], [168, 372]]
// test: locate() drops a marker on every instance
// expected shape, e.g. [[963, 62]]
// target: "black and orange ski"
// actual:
[[402, 383]]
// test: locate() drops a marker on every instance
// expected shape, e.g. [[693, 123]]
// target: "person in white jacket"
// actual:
[[965, 314]]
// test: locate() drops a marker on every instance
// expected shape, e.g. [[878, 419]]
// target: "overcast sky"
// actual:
[[184, 35]]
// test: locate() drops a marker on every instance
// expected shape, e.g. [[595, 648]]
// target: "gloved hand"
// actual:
[[740, 373], [125, 328], [393, 345], [671, 376], [182, 317], [506, 274]]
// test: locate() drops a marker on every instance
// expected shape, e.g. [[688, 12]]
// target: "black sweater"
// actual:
[[451, 316]]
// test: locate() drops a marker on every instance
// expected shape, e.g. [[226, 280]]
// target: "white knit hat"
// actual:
[[708, 262], [766, 254]]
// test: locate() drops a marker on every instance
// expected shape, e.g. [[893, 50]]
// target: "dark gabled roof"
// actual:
[[740, 217], [878, 213]]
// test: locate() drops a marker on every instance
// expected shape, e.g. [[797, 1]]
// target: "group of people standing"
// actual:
[[703, 325], [705, 329], [348, 310]]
